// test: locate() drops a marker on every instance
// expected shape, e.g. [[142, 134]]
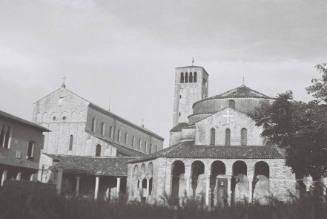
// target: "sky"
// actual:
[[122, 54]]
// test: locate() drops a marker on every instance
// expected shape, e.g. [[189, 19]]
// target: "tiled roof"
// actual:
[[120, 148], [239, 92], [22, 121], [103, 166], [6, 159], [179, 127], [189, 150]]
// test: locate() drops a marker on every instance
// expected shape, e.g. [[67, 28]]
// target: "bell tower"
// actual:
[[191, 85]]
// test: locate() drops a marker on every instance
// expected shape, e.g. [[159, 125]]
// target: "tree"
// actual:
[[318, 89], [300, 128]]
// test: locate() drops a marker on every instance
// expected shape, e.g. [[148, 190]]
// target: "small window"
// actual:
[[182, 78], [30, 150], [54, 118], [231, 104], [98, 151], [190, 77], [186, 77], [133, 141], [126, 138], [212, 136], [103, 128], [118, 136], [244, 137], [93, 124], [110, 132], [7, 138], [227, 137], [64, 118], [145, 146], [61, 101], [71, 142], [140, 142], [195, 77]]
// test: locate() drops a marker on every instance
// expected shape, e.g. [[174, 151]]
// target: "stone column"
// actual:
[[250, 179], [118, 186], [147, 187], [188, 179], [250, 190], [96, 189], [229, 189], [207, 190], [19, 176], [78, 178], [4, 177], [59, 180]]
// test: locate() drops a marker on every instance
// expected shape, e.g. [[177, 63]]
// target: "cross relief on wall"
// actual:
[[228, 117]]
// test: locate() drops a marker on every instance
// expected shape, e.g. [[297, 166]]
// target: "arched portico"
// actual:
[[197, 178], [218, 186], [178, 182], [260, 185], [240, 182]]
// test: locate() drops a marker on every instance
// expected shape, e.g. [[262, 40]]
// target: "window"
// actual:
[[93, 124], [212, 136], [133, 141], [98, 151], [110, 132], [30, 150], [195, 77], [145, 146], [182, 77], [103, 128], [244, 137], [71, 142], [118, 135], [61, 101], [190, 77], [140, 142], [227, 137], [2, 135], [231, 104], [186, 77], [64, 118], [7, 138], [126, 138], [54, 118]]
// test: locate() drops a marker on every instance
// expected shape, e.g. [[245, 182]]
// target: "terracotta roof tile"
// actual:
[[189, 150]]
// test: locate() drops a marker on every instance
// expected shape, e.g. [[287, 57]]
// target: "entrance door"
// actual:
[[222, 186]]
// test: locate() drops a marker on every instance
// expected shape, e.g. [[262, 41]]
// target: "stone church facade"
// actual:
[[87, 149], [216, 152]]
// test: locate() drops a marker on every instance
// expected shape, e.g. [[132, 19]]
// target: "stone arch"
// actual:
[[197, 177], [240, 182], [260, 184], [177, 181], [217, 168]]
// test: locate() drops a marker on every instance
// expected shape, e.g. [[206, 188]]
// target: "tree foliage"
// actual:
[[300, 128]]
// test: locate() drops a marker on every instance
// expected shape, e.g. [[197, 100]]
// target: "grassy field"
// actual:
[[37, 201]]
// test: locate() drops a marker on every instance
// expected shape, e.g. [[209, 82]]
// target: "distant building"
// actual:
[[88, 147], [216, 153], [21, 142]]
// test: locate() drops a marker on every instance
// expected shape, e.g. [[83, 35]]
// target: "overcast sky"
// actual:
[[124, 52]]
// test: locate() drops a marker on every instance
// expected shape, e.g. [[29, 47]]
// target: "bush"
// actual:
[[40, 201]]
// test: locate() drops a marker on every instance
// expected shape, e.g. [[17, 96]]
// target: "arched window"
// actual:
[[98, 151], [227, 137], [195, 77], [190, 77], [231, 104], [244, 136], [93, 124], [7, 138], [126, 138], [110, 132], [103, 128], [118, 136], [182, 77], [212, 136], [133, 141], [2, 135], [186, 77], [71, 142]]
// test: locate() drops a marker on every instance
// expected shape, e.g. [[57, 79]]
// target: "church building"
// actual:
[[87, 149], [216, 152]]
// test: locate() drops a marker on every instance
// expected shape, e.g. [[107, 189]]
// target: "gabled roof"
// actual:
[[189, 150], [241, 92], [22, 121], [103, 166], [120, 148], [7, 159]]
